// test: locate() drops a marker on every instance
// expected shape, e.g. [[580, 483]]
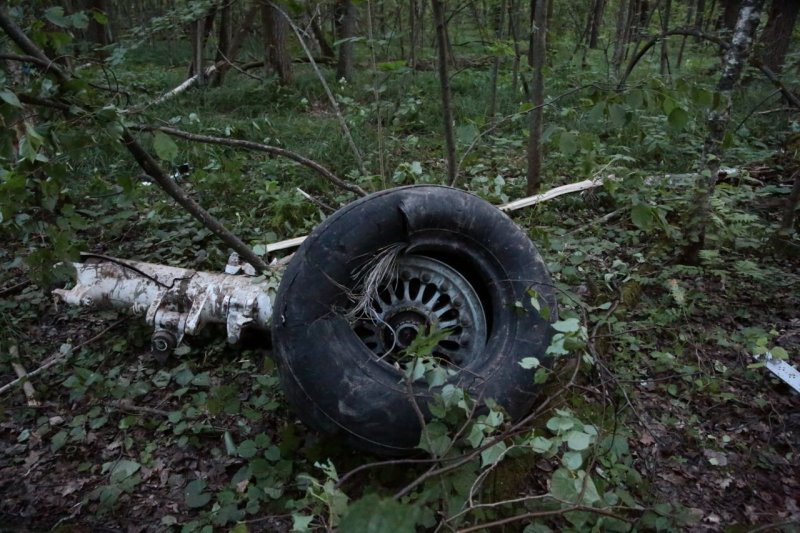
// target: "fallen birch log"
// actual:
[[182, 87]]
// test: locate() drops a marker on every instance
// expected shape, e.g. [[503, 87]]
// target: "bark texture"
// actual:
[[345, 29], [534, 174], [620, 36], [777, 33], [442, 47], [275, 42]]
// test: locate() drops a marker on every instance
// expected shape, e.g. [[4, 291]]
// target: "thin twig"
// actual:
[[60, 358]]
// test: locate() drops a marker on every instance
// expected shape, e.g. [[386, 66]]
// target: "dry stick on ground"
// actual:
[[144, 159], [334, 103], [19, 370], [250, 145], [60, 358]]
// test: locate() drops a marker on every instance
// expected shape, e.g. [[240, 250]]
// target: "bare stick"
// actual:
[[332, 100], [60, 358], [19, 370], [238, 143], [315, 201]]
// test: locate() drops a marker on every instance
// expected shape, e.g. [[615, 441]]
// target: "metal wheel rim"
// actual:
[[422, 292]]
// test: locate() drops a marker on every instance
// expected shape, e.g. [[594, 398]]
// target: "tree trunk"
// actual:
[[534, 174], [500, 20], [731, 14], [324, 46], [699, 14], [199, 66], [619, 36], [236, 45], [787, 224], [412, 35], [275, 36], [736, 58], [689, 16], [96, 32], [345, 19], [597, 22], [664, 47], [512, 28], [224, 36], [778, 33], [444, 81]]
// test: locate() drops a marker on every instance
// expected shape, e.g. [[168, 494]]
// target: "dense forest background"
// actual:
[[176, 132]]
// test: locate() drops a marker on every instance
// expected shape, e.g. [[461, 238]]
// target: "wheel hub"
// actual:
[[424, 294]]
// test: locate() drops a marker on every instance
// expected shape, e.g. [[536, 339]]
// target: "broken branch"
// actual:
[[238, 143]]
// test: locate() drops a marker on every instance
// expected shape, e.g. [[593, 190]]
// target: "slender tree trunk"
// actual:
[[345, 18], [664, 44], [787, 224], [324, 46], [619, 36], [597, 22], [512, 28], [199, 67], [689, 16], [96, 31], [224, 38], [444, 81], [236, 44], [736, 58], [778, 33], [538, 51], [699, 14], [501, 24], [731, 13], [412, 35], [275, 37]]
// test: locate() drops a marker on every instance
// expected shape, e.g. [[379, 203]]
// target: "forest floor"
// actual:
[[113, 440]]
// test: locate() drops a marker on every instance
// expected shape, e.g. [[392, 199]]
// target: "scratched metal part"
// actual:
[[783, 370], [175, 301]]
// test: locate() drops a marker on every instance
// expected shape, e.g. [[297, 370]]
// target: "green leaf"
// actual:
[[529, 362], [440, 441], [562, 485], [779, 352], [542, 444], [570, 325], [642, 217], [372, 514], [123, 470], [572, 460], [475, 435], [58, 441], [230, 446], [678, 118], [559, 424], [467, 133], [79, 21], [491, 455], [247, 449], [10, 98], [56, 16], [193, 494], [635, 99], [702, 97], [617, 114], [567, 143], [596, 114], [301, 522], [165, 147], [578, 440]]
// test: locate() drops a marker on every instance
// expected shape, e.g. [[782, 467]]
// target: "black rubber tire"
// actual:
[[335, 383]]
